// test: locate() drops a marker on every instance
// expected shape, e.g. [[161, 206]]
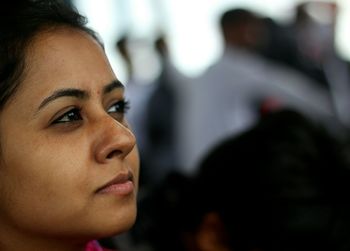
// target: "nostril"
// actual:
[[113, 154]]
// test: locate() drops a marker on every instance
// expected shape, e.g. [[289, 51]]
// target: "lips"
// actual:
[[122, 184]]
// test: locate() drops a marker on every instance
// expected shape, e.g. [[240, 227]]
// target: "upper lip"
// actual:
[[119, 179]]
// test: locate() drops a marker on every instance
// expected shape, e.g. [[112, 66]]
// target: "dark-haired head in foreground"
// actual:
[[280, 186]]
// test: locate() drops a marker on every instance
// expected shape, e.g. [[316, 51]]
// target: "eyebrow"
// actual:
[[69, 92], [78, 93], [115, 84]]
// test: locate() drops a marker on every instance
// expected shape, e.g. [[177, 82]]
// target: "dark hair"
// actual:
[[20, 22], [283, 185], [236, 17]]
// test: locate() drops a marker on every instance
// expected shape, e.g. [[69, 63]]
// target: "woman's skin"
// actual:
[[63, 137]]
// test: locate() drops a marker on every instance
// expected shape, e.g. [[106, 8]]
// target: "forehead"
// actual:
[[59, 59], [65, 56]]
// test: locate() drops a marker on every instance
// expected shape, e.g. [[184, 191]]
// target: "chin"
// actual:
[[118, 224]]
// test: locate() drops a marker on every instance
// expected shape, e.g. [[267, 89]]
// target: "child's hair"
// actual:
[[276, 187]]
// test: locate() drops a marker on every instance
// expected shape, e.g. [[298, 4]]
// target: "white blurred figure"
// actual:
[[315, 39], [227, 99]]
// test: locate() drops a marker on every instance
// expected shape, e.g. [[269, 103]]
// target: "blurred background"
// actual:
[[190, 25]]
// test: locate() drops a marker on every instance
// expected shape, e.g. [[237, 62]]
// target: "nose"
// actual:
[[114, 140]]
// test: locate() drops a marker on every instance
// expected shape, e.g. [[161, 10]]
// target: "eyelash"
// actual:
[[123, 106], [74, 114]]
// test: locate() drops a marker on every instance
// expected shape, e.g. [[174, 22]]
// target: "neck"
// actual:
[[19, 242]]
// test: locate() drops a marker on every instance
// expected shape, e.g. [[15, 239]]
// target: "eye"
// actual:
[[118, 109], [70, 116]]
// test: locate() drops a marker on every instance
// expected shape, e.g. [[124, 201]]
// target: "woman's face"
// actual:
[[68, 163]]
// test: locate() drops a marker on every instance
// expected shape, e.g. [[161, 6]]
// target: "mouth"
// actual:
[[122, 184]]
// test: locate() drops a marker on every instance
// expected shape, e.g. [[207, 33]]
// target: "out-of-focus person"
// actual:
[[231, 94]]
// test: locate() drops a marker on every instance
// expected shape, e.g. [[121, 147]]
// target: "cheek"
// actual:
[[42, 180], [134, 160], [44, 163]]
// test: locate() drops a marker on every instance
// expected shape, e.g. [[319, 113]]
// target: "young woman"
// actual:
[[69, 165]]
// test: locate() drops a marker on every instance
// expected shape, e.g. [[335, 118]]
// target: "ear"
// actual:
[[211, 234]]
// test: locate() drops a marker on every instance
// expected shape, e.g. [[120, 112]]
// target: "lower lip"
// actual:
[[119, 189]]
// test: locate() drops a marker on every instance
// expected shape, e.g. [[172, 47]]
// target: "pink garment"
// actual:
[[94, 246]]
